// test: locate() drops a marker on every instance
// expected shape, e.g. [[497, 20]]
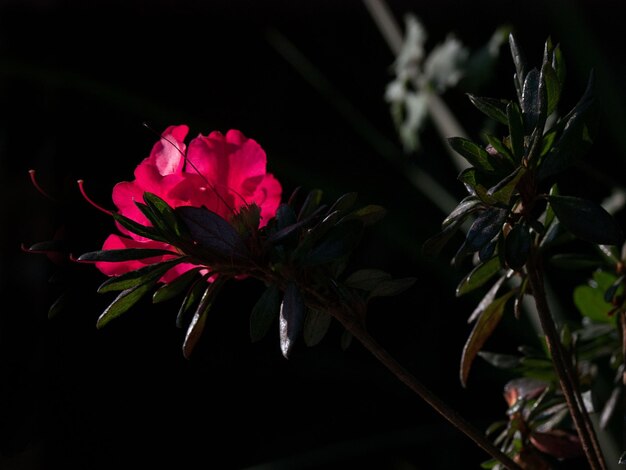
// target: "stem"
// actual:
[[428, 396], [564, 368]]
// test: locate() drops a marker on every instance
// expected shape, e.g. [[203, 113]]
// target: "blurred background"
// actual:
[[307, 80]]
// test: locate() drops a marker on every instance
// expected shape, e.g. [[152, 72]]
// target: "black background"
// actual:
[[77, 82]]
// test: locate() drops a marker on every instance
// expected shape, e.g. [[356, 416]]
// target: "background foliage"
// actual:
[[78, 80]]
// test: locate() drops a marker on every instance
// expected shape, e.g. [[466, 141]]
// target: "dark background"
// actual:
[[77, 82]]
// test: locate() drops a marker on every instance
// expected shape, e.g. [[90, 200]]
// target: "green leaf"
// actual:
[[316, 325], [573, 141], [516, 131], [344, 202], [501, 361], [264, 312], [517, 246], [198, 321], [520, 65], [167, 220], [58, 306], [139, 276], [194, 293], [474, 182], [310, 205], [137, 228], [477, 156], [532, 100], [553, 88], [576, 261], [368, 215], [366, 279], [590, 301], [507, 188], [291, 318], [392, 287], [465, 208], [500, 148], [484, 327], [488, 298], [176, 287], [433, 245], [586, 220], [125, 254], [123, 302], [493, 108], [478, 276]]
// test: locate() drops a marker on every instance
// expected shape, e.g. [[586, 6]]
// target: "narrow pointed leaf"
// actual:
[[520, 64], [194, 293], [125, 254], [339, 242], [198, 321], [344, 202], [499, 147], [484, 327], [392, 287], [478, 276], [176, 287], [168, 222], [137, 228], [123, 302], [368, 215], [494, 108], [291, 319], [151, 272], [486, 226], [466, 207], [366, 279], [586, 220], [264, 312], [311, 203], [316, 325], [477, 156], [487, 299], [516, 131], [58, 306], [507, 188]]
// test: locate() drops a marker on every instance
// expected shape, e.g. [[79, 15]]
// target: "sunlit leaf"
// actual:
[[198, 321], [137, 228], [484, 327], [590, 301], [488, 298], [192, 297], [478, 276], [125, 254], [123, 302], [291, 318], [477, 156], [139, 276], [520, 65], [175, 287]]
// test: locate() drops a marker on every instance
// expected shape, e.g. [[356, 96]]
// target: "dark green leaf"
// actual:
[[123, 302], [339, 242], [507, 187], [516, 131], [586, 220], [291, 318], [125, 254], [501, 149], [344, 202], [392, 287], [176, 287], [614, 290], [212, 232], [264, 312], [168, 222], [553, 88], [193, 295], [138, 276], [474, 182], [478, 276], [367, 279], [486, 226], [58, 306], [466, 207], [137, 228], [49, 245], [517, 246], [346, 340], [558, 64], [531, 100], [494, 108], [477, 156], [574, 141], [198, 321], [288, 230], [316, 324], [487, 299], [368, 215], [575, 261], [310, 205], [484, 327], [434, 245], [520, 65]]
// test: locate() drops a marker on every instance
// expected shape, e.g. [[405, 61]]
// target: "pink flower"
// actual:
[[220, 172]]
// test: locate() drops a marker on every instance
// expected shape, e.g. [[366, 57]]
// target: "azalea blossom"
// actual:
[[222, 172]]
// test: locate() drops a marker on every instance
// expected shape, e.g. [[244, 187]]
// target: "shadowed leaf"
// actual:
[[478, 276], [316, 324], [264, 312]]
